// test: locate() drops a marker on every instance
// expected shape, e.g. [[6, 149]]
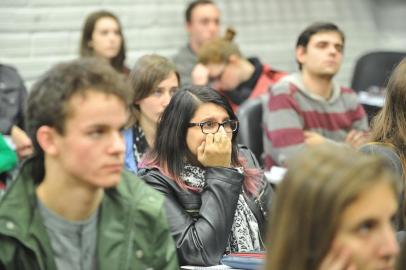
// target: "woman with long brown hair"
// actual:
[[334, 210], [102, 36]]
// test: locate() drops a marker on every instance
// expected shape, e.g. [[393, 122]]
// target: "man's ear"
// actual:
[[300, 54], [47, 139]]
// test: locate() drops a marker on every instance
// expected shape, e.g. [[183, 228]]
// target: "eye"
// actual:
[[173, 91], [96, 133], [158, 92], [339, 48], [366, 227], [209, 124]]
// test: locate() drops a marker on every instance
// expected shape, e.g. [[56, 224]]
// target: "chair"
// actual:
[[371, 74], [250, 131], [374, 69]]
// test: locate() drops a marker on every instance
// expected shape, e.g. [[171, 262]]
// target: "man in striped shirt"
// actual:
[[308, 108]]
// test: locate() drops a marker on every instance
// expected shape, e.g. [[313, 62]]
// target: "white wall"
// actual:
[[35, 34]]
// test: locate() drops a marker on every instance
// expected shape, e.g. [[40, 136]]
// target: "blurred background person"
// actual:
[[228, 71], [202, 18], [154, 80], [102, 36], [13, 98], [334, 210]]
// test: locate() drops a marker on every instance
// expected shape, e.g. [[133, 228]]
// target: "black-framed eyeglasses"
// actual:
[[211, 127]]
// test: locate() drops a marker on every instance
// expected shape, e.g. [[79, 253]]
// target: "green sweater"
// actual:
[[132, 233], [8, 158]]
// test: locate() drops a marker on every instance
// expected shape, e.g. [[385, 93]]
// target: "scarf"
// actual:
[[244, 234]]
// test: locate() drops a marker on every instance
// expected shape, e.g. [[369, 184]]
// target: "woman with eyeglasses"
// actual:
[[216, 196], [154, 80]]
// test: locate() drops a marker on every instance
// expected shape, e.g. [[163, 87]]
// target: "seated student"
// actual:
[[334, 210], [154, 80], [13, 96], [202, 22], [102, 36], [237, 77], [72, 206], [308, 108], [216, 195]]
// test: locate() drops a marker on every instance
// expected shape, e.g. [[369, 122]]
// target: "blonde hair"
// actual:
[[219, 50], [319, 185]]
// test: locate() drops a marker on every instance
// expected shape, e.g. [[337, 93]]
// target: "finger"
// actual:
[[217, 137], [351, 134], [209, 139]]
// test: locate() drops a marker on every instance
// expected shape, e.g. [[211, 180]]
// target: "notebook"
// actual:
[[244, 260]]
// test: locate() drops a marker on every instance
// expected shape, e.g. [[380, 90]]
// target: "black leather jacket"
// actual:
[[201, 222]]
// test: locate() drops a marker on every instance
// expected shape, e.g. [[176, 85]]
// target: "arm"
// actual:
[[201, 240]]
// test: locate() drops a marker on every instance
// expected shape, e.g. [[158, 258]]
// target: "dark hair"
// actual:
[[192, 5], [47, 103], [170, 153], [316, 28], [87, 32], [148, 72]]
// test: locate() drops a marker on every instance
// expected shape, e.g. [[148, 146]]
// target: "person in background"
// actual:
[[72, 205], [334, 210], [202, 19], [308, 107], [102, 36], [13, 96], [216, 196], [154, 80], [237, 77]]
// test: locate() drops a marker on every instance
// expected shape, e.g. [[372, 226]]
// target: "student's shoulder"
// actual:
[[285, 86], [134, 189]]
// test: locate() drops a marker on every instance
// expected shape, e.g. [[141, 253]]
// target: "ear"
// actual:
[[90, 44], [47, 139], [300, 54]]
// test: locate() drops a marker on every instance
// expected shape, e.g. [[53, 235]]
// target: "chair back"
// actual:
[[374, 69], [249, 114]]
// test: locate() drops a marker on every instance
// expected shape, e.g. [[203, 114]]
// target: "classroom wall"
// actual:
[[35, 34]]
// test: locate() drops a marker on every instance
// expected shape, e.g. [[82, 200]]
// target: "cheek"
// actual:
[[194, 139], [361, 249]]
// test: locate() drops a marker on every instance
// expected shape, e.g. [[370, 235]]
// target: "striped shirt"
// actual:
[[291, 109]]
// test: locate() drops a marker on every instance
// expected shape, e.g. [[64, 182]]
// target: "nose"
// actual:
[[117, 144], [390, 246], [166, 99]]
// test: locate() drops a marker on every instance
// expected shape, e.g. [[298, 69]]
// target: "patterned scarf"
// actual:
[[140, 144], [244, 235]]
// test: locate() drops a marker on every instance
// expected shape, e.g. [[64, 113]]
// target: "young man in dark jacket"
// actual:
[[72, 206]]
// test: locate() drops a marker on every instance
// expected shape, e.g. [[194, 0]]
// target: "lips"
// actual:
[[114, 167]]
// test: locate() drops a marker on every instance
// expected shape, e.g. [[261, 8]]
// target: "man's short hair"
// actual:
[[48, 100], [193, 5], [316, 28]]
